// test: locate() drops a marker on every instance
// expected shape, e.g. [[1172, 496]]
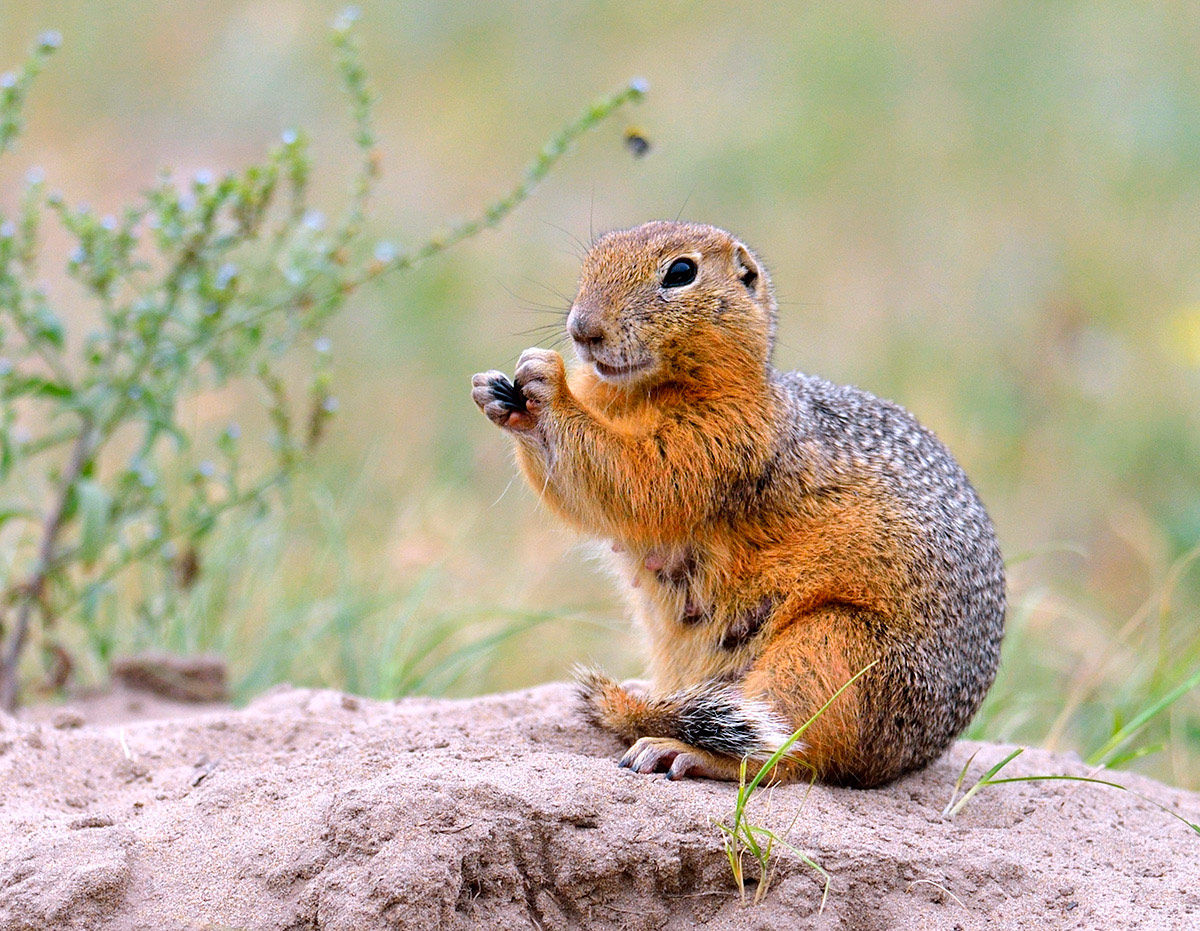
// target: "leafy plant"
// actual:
[[198, 284]]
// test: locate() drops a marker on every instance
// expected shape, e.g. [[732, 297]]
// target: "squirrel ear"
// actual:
[[746, 268]]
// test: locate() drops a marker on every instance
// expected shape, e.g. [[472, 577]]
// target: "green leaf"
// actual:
[[38, 386], [13, 511], [94, 510]]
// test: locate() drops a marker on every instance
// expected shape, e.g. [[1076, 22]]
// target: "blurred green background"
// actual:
[[989, 212]]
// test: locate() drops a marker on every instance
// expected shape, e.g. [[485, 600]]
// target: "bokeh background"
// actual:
[[988, 211]]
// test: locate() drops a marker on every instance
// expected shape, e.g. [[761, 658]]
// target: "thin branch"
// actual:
[[31, 591]]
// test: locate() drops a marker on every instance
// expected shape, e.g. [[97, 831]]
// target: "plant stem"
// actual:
[[31, 591]]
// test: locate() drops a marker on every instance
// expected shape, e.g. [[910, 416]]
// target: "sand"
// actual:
[[316, 810]]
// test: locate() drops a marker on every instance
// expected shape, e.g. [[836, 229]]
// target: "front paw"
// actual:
[[541, 378], [501, 401]]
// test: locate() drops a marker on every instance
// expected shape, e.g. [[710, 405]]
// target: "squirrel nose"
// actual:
[[584, 328]]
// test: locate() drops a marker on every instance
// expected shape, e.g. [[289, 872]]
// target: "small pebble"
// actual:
[[67, 719], [91, 821]]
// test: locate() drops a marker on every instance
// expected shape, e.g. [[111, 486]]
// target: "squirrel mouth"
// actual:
[[618, 372]]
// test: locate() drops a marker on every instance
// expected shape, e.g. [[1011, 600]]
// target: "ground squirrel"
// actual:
[[776, 533]]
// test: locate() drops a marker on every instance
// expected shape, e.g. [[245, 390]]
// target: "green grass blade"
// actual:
[[779, 754], [1100, 782], [962, 777], [951, 810], [1142, 719], [446, 672]]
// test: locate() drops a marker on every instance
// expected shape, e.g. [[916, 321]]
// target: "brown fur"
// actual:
[[757, 549]]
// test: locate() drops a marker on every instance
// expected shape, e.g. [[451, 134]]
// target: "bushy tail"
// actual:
[[714, 717]]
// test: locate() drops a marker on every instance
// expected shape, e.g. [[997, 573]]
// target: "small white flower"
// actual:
[[7, 80], [289, 137], [330, 405], [8, 229], [322, 344], [206, 468], [233, 431], [314, 220], [50, 39], [6, 366], [385, 252], [35, 175], [109, 223], [225, 274], [347, 18], [204, 177], [21, 436]]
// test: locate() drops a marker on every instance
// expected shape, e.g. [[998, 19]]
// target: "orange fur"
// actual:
[[786, 587], [800, 670]]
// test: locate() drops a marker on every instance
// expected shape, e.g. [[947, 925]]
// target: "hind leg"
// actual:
[[801, 668]]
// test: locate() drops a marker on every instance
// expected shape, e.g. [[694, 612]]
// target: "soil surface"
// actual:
[[317, 810]]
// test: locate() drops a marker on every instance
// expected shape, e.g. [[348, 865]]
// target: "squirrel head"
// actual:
[[669, 301]]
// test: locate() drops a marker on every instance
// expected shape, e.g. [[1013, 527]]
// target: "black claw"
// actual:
[[508, 394]]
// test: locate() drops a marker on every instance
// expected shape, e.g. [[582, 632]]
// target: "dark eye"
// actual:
[[681, 272]]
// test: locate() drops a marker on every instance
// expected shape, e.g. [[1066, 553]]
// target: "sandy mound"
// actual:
[[316, 810]]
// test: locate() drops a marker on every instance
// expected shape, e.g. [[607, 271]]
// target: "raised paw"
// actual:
[[541, 377], [501, 401]]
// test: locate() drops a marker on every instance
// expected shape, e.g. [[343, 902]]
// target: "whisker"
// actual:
[[683, 206], [575, 239], [544, 329], [556, 343], [531, 305], [548, 289], [591, 216]]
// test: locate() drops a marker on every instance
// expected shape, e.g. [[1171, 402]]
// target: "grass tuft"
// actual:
[[742, 836], [989, 778]]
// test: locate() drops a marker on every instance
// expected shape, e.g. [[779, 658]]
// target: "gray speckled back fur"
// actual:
[[957, 575]]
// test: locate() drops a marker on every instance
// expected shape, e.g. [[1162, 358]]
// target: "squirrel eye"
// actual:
[[681, 272]]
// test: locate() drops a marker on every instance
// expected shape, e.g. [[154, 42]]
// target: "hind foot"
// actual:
[[678, 760]]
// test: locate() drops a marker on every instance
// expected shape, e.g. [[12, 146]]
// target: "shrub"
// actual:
[[197, 284]]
